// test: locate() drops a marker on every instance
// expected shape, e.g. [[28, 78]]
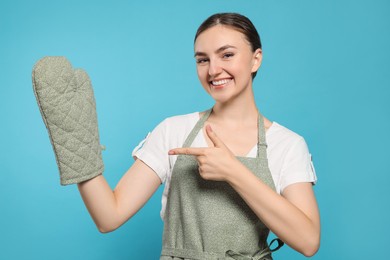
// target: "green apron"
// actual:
[[208, 220]]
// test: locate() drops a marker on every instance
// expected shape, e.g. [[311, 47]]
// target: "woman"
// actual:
[[231, 175]]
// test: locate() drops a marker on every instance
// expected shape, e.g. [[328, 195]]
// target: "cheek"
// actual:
[[245, 68], [202, 76], [202, 73], [198, 72]]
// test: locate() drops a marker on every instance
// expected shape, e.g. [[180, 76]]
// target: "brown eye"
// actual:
[[228, 55], [201, 60]]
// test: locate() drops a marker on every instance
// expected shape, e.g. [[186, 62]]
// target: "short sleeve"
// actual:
[[297, 165], [153, 151]]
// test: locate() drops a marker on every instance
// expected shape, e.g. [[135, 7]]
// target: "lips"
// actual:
[[219, 83]]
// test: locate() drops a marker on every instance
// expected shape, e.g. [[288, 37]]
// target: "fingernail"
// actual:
[[171, 152]]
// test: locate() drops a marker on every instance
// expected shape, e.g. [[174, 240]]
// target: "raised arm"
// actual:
[[67, 105], [110, 209]]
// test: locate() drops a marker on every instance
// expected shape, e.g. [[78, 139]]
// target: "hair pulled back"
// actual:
[[237, 22]]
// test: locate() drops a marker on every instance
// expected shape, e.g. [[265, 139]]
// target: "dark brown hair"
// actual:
[[237, 22]]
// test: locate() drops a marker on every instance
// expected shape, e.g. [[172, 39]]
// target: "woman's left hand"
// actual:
[[215, 163]]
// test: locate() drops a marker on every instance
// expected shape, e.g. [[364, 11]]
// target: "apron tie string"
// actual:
[[230, 254]]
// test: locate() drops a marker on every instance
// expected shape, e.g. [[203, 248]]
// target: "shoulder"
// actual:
[[181, 120], [278, 135], [285, 146], [168, 134], [179, 123], [173, 130]]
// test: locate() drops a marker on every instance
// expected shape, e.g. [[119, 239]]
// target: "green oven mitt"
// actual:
[[67, 104]]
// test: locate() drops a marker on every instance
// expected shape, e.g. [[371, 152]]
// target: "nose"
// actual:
[[214, 68]]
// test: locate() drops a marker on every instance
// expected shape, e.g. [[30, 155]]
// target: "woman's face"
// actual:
[[225, 63]]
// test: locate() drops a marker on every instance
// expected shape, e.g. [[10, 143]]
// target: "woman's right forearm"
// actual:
[[101, 203], [110, 209]]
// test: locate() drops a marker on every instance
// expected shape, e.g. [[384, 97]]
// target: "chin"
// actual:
[[221, 99]]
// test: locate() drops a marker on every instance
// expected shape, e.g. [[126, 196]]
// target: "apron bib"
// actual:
[[208, 220]]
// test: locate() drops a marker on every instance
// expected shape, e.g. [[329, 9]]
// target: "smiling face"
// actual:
[[225, 63]]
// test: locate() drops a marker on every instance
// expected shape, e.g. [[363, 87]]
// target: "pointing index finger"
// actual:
[[187, 151]]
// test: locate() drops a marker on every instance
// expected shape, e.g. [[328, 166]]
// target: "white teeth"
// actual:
[[220, 82]]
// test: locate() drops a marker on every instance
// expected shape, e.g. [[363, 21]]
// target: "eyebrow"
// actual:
[[220, 49]]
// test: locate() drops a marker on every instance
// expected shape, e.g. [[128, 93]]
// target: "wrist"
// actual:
[[236, 173]]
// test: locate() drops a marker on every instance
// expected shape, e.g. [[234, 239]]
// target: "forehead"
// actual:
[[220, 35]]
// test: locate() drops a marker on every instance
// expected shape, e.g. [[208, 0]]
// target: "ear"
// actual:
[[257, 58]]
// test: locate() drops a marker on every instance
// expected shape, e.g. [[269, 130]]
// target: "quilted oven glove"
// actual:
[[67, 104]]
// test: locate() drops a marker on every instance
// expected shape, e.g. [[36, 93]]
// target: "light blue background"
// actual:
[[325, 75]]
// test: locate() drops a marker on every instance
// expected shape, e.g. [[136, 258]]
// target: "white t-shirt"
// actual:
[[288, 157]]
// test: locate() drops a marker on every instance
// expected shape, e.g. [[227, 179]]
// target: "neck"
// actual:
[[243, 110]]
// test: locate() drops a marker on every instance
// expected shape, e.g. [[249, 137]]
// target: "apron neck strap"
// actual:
[[196, 129], [261, 143]]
